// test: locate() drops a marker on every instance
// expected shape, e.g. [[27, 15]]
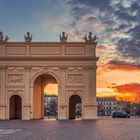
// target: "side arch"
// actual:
[[15, 107], [73, 101]]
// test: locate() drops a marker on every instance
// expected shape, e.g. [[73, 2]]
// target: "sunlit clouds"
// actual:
[[130, 92], [120, 81]]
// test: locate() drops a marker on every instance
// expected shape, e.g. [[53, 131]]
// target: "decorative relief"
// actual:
[[3, 68], [75, 79], [14, 68], [63, 106], [45, 68], [27, 68], [54, 68], [15, 78], [63, 68], [11, 68], [92, 67], [75, 92], [75, 68], [35, 68], [15, 92]]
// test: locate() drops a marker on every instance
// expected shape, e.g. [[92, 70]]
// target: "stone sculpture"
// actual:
[[63, 37], [2, 38], [28, 37], [90, 38]]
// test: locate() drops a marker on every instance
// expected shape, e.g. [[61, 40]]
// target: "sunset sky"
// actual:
[[116, 22]]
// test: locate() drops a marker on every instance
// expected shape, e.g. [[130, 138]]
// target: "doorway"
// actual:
[[15, 107], [75, 107]]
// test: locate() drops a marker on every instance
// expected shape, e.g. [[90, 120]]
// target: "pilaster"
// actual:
[[27, 105], [62, 108], [2, 92]]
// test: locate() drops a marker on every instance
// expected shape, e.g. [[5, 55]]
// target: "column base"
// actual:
[[62, 112], [26, 112], [2, 112], [90, 112]]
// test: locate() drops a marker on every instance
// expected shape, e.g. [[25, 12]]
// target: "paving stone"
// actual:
[[102, 129]]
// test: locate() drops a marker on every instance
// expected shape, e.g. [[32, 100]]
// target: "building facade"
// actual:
[[50, 105], [106, 106], [26, 67]]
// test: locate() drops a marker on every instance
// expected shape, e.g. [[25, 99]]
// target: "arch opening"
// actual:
[[75, 107], [45, 97], [15, 104]]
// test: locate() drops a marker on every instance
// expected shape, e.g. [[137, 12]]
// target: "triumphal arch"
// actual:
[[25, 68]]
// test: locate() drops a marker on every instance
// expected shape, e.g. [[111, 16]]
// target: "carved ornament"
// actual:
[[3, 68], [15, 78], [75, 78]]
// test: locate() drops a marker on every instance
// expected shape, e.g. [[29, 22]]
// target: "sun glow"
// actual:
[[51, 89], [128, 98], [119, 81]]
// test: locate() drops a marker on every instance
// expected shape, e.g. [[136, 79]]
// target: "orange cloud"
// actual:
[[129, 92], [131, 88], [110, 75], [123, 67], [106, 92]]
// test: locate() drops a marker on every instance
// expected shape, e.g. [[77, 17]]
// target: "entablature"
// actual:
[[43, 49]]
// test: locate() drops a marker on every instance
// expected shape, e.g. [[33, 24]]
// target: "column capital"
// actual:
[[63, 68], [3, 68], [92, 67], [27, 68]]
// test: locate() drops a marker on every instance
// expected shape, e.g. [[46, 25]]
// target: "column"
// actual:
[[3, 92], [93, 85], [62, 109], [86, 94], [90, 109], [26, 105]]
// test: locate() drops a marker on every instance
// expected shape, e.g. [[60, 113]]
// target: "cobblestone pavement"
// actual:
[[101, 129]]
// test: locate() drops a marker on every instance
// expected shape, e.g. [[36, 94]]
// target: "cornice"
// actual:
[[18, 58], [46, 43]]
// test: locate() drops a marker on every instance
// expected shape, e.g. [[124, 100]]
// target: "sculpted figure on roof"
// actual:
[[28, 37], [2, 38], [90, 38], [63, 37]]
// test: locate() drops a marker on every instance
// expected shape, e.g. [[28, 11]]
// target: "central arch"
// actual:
[[39, 96]]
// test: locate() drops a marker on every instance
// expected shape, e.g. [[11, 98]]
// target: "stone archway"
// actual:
[[72, 64], [38, 94], [15, 104], [73, 101]]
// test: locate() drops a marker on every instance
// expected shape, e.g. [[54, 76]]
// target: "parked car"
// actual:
[[120, 115]]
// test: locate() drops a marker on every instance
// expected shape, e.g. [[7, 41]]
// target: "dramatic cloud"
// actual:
[[116, 22], [122, 65], [128, 88], [130, 92]]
